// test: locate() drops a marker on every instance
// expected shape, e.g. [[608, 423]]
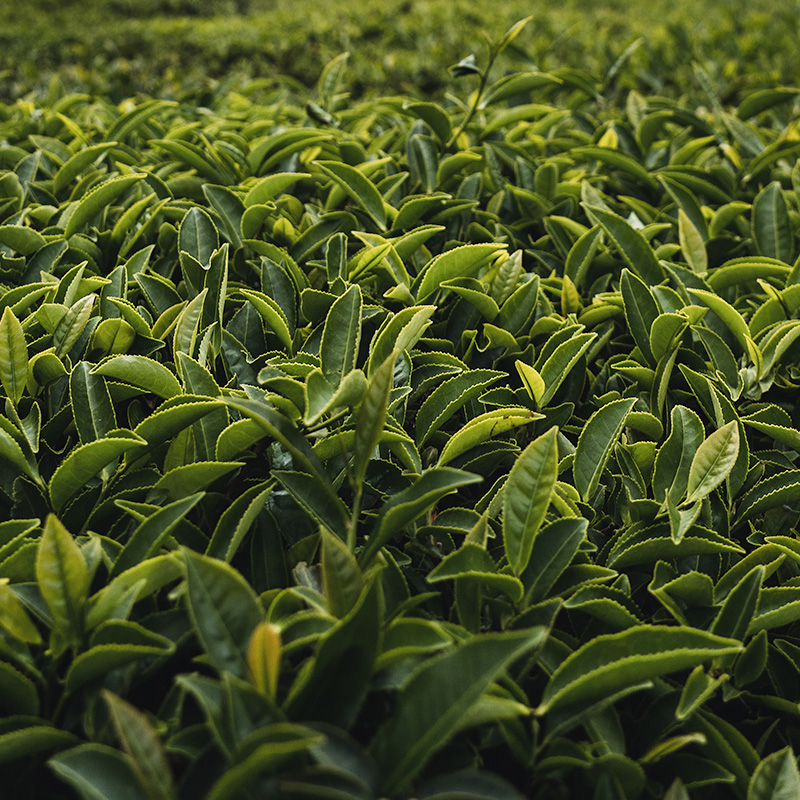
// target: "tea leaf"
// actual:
[[595, 444], [63, 579], [713, 462], [771, 227], [341, 336], [141, 743], [224, 611], [98, 771], [610, 662], [99, 198], [527, 496], [147, 537], [85, 462], [405, 506], [371, 418], [432, 706], [633, 247], [775, 777], [13, 356], [484, 427], [358, 187]]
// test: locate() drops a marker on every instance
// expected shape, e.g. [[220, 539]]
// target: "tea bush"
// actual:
[[391, 448]]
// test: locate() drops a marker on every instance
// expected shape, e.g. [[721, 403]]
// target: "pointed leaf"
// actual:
[[334, 687], [451, 395], [460, 262], [85, 462], [401, 332], [63, 579], [595, 443], [526, 497], [98, 772], [224, 611], [147, 537], [776, 777], [102, 195], [272, 314], [342, 580], [264, 657], [357, 186], [139, 740], [91, 403], [713, 461], [13, 356], [632, 246], [554, 547], [432, 706], [484, 427], [405, 506], [611, 662], [72, 324], [341, 335], [371, 418], [772, 229]]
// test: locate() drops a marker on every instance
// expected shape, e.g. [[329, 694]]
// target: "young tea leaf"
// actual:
[[713, 462], [63, 579], [13, 356]]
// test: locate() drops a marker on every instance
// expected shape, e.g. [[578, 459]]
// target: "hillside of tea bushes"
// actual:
[[391, 448]]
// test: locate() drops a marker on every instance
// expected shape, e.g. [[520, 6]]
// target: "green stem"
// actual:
[[353, 525], [476, 102]]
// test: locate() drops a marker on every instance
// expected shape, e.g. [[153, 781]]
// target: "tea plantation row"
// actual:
[[397, 449]]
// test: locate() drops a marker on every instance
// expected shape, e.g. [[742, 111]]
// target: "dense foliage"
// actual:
[[182, 48], [401, 449]]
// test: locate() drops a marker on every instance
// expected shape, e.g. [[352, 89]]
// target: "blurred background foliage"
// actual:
[[196, 49]]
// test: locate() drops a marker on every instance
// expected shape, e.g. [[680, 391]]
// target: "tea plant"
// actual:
[[398, 449]]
